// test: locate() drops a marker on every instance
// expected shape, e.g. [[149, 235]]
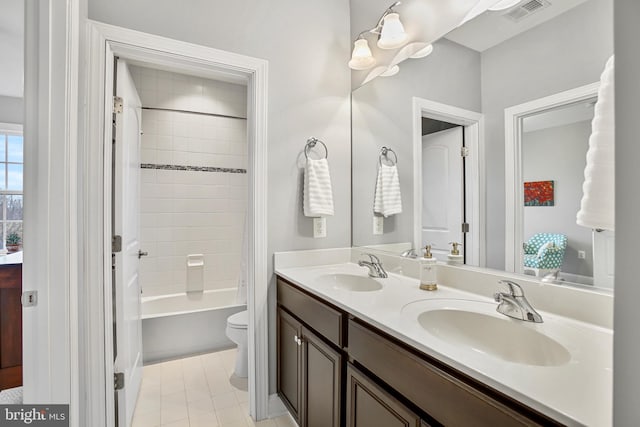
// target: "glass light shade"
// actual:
[[504, 4], [392, 35], [361, 58], [391, 71], [423, 52]]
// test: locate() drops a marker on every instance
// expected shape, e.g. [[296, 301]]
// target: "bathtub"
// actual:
[[181, 325]]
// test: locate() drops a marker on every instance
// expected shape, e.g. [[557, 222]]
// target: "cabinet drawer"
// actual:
[[324, 319], [446, 398], [370, 406]]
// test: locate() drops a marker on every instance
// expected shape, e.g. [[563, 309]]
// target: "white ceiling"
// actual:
[[492, 28], [12, 48]]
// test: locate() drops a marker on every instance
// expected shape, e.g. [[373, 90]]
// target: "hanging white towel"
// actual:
[[387, 200], [597, 205], [317, 195]]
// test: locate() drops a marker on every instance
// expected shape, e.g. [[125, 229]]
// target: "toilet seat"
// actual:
[[239, 320]]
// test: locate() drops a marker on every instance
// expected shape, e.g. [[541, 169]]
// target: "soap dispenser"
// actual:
[[454, 258], [428, 271]]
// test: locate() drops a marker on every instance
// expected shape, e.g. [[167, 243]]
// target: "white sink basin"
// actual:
[[350, 282], [476, 325]]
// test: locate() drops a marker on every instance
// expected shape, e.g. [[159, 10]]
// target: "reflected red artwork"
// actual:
[[538, 193]]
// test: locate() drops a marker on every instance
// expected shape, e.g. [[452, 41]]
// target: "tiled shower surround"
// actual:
[[194, 180]]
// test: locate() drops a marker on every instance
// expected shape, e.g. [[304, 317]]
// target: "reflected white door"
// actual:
[[442, 195], [603, 258], [126, 196]]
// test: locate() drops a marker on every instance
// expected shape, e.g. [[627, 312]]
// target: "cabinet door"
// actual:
[[290, 362], [321, 384], [370, 406], [10, 326]]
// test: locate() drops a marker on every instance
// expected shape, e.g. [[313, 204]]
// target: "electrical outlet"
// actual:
[[378, 224], [319, 227], [582, 254]]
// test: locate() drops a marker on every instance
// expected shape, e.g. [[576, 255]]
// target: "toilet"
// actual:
[[237, 332]]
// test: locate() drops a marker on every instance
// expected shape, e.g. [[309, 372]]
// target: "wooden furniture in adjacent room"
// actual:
[[10, 326]]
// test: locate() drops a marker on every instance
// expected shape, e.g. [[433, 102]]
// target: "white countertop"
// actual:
[[577, 393], [14, 258]]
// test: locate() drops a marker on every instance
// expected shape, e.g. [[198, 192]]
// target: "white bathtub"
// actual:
[[181, 325]]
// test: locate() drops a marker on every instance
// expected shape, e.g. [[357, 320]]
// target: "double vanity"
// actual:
[[357, 350]]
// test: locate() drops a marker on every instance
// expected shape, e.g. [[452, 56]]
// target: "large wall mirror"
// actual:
[[444, 118]]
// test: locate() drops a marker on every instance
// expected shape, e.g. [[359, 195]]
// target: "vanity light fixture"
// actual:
[[391, 71], [361, 58], [504, 4], [391, 35]]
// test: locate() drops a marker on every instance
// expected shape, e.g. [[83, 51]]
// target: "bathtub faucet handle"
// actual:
[[141, 254]]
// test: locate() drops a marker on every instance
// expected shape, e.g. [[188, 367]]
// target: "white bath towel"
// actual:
[[317, 194], [387, 200], [597, 205]]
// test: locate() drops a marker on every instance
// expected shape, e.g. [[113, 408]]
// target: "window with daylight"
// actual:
[[11, 168]]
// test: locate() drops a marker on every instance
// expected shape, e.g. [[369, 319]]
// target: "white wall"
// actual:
[[382, 112], [11, 109], [626, 348], [191, 211], [561, 54], [307, 45], [559, 154]]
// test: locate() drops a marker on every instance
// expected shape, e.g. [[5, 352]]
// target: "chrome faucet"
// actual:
[[514, 304], [409, 253], [374, 266]]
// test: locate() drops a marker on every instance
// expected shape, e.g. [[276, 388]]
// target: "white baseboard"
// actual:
[[276, 407]]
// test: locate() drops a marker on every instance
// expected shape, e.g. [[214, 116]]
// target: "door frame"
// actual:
[[514, 195], [473, 123], [51, 258], [105, 41]]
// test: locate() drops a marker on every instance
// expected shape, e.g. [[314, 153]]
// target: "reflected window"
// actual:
[[11, 186]]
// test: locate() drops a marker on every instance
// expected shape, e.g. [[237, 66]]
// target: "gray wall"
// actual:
[[626, 347], [559, 154], [307, 45], [561, 54], [382, 112], [11, 109]]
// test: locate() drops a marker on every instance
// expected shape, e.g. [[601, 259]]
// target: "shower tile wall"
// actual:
[[185, 211]]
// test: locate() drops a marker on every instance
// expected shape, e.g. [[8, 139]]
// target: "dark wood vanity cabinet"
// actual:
[[368, 405], [10, 326], [328, 360], [309, 368], [446, 395], [289, 362]]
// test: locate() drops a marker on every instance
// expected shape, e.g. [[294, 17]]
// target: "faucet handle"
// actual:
[[515, 290]]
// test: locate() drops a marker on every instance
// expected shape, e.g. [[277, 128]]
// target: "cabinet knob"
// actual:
[[297, 340]]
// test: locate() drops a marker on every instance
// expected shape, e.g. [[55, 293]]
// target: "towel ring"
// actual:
[[311, 143], [384, 152]]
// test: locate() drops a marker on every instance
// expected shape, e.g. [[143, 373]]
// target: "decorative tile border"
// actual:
[[191, 168]]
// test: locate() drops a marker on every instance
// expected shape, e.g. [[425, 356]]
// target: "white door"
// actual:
[[126, 194], [603, 258], [442, 195]]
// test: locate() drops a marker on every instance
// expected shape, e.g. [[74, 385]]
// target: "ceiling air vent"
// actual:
[[526, 9]]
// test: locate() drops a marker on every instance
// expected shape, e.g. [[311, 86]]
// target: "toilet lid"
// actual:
[[239, 320]]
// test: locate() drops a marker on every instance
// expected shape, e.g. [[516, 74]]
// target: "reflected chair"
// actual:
[[544, 253]]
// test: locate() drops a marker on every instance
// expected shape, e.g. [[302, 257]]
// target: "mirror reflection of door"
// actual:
[[442, 186], [554, 147]]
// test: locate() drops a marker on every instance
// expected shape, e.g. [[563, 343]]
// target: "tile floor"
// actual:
[[197, 392]]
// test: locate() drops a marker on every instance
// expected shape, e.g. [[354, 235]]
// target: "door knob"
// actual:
[[141, 254]]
